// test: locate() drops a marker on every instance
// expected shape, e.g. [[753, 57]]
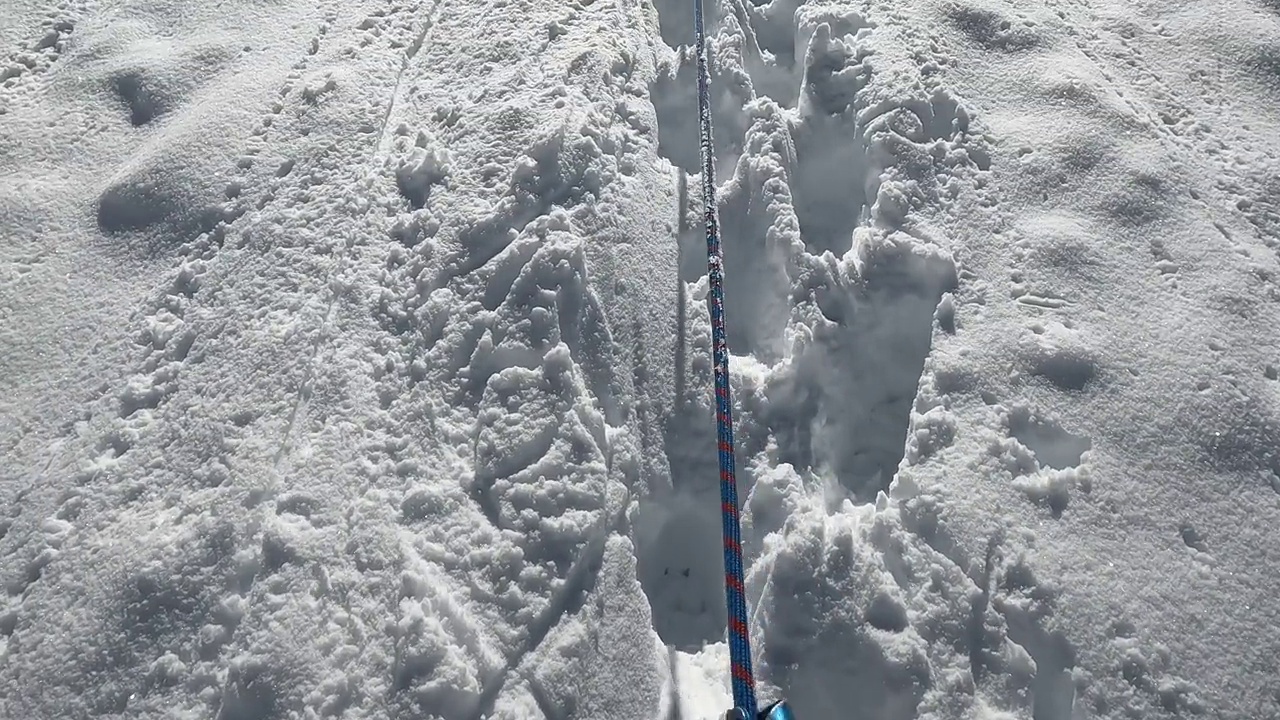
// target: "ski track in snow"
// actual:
[[357, 360]]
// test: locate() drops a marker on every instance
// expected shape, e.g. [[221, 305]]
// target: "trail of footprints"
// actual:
[[851, 426], [509, 333]]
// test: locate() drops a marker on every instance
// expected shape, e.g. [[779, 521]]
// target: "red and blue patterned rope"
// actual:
[[744, 695]]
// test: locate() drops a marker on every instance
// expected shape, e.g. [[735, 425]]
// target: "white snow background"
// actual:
[[354, 358]]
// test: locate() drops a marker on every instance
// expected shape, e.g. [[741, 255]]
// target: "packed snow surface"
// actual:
[[354, 358]]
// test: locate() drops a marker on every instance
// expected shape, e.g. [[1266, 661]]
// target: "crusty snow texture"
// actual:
[[354, 358]]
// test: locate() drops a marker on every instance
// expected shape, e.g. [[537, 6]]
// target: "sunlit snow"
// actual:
[[355, 358]]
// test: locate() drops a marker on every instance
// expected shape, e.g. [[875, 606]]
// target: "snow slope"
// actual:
[[354, 358]]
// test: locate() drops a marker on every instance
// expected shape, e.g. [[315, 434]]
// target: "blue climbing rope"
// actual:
[[744, 693]]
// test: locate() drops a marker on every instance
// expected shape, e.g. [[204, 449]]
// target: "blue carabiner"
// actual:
[[777, 711]]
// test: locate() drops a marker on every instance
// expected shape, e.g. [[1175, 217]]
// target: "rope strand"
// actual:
[[743, 681]]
